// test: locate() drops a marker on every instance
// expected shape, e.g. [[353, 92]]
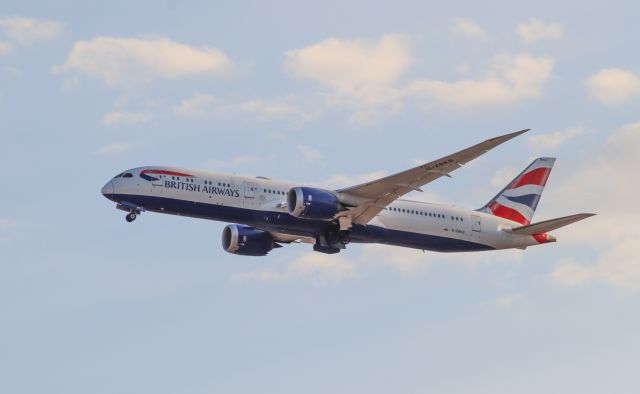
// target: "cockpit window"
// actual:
[[127, 175], [119, 175]]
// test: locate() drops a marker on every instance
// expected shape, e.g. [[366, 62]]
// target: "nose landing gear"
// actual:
[[132, 210]]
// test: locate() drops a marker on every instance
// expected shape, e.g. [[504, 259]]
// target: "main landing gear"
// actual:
[[332, 240], [344, 237]]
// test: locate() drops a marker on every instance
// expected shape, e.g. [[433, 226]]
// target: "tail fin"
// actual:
[[519, 199]]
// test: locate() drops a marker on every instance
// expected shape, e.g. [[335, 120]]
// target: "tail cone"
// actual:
[[544, 238]]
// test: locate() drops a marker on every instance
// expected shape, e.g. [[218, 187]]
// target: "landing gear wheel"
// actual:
[[344, 237], [131, 216]]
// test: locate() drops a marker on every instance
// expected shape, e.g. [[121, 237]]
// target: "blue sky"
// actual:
[[330, 93]]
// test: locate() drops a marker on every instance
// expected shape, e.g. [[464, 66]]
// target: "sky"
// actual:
[[330, 93]]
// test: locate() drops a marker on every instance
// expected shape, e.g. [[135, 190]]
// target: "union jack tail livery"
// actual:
[[519, 199]]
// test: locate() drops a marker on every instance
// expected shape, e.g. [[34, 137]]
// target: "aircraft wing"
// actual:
[[372, 197]]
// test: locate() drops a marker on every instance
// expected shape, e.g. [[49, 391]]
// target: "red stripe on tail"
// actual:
[[538, 177], [507, 213]]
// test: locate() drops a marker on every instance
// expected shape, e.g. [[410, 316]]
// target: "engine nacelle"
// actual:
[[246, 241], [310, 203]]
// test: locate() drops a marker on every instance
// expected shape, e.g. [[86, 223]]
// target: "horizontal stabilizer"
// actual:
[[549, 225]]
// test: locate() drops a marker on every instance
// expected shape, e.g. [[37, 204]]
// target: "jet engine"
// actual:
[[310, 203], [246, 241]]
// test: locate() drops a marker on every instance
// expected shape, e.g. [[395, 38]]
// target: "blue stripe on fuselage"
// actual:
[[283, 222]]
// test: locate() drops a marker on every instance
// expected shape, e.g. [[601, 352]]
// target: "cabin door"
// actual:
[[475, 223], [249, 190]]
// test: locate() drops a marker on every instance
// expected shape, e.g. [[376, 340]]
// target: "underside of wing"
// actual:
[[368, 199], [290, 238]]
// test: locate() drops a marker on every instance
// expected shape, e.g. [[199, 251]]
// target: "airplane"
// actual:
[[266, 214]]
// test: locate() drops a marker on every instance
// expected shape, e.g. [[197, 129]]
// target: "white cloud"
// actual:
[[203, 105], [318, 267], [321, 267], [27, 31], [468, 29], [536, 30], [122, 61], [613, 86], [345, 266], [352, 65], [198, 105], [568, 273], [266, 109], [510, 299], [339, 180], [503, 176], [126, 117], [335, 268], [555, 139], [258, 276], [404, 260], [113, 149], [309, 154], [365, 77], [603, 185], [4, 48], [511, 78], [233, 162], [617, 266], [361, 73]]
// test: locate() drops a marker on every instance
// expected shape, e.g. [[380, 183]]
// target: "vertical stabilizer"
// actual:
[[519, 199]]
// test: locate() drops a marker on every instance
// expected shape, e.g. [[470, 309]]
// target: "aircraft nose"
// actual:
[[107, 189]]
